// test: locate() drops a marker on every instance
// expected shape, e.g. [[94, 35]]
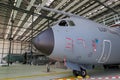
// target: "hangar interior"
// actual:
[[22, 20]]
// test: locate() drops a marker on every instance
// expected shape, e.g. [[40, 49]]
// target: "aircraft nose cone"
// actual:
[[44, 42]]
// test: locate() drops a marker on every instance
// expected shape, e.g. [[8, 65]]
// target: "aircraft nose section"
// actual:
[[44, 42]]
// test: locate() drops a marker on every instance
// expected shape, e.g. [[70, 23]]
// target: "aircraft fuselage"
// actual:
[[86, 43]]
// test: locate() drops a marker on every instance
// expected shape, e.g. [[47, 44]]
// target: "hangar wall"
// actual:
[[16, 48]]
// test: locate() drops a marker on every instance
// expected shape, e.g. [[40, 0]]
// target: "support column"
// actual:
[[2, 50], [31, 47], [10, 40]]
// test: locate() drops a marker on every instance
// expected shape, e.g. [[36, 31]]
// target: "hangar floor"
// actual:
[[31, 72], [27, 72]]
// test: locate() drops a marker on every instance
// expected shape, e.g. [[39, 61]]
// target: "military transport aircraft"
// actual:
[[80, 43]]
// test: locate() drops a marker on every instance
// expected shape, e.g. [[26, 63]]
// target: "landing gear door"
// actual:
[[106, 51]]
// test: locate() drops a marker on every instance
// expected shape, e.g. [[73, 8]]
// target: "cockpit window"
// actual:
[[71, 23], [66, 23], [63, 23]]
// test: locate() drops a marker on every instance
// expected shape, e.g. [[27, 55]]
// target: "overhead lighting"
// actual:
[[102, 7], [95, 11], [23, 17], [17, 4], [115, 0], [90, 13], [49, 2], [68, 0], [26, 35], [21, 31], [27, 24], [109, 3], [44, 28]]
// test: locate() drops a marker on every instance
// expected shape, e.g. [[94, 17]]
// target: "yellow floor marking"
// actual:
[[7, 79], [87, 76], [80, 77], [73, 78]]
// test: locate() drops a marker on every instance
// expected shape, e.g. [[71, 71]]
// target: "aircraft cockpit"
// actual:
[[66, 23], [63, 23]]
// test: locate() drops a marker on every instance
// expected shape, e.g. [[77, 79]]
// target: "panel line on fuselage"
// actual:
[[105, 52]]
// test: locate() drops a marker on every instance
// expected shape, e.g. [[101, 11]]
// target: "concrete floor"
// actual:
[[27, 72]]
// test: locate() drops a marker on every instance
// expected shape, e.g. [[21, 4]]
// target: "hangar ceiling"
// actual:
[[21, 11]]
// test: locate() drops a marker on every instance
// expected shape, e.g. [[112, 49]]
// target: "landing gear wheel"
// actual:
[[76, 73], [83, 73]]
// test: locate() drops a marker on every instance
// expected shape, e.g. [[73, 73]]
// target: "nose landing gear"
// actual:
[[82, 73]]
